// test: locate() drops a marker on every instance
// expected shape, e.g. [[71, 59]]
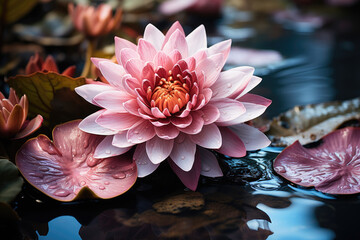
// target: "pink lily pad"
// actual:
[[65, 168], [331, 166]]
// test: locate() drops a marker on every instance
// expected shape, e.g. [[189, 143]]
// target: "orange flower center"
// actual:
[[171, 93]]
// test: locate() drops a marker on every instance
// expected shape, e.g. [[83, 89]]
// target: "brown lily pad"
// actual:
[[311, 122]]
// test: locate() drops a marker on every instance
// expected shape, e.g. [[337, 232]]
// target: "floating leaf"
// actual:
[[45, 92], [10, 181], [331, 166], [66, 169], [311, 122]]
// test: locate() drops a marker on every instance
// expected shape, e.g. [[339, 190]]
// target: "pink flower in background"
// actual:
[[64, 168], [204, 7], [95, 21], [13, 113], [168, 97], [332, 166], [37, 64]]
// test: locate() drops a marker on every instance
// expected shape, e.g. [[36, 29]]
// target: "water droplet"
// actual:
[[119, 175], [140, 138], [206, 168], [280, 169], [182, 157], [101, 187], [86, 143], [82, 183], [229, 85], [107, 151], [106, 183], [91, 162], [62, 193], [297, 180], [136, 132], [44, 169], [52, 186]]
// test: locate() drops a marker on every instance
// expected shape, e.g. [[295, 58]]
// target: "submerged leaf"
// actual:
[[311, 122], [65, 169], [10, 181], [331, 166], [42, 90]]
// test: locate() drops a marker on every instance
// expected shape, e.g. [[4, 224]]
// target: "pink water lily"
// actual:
[[37, 64], [333, 166], [168, 97], [95, 21], [63, 168], [203, 7], [13, 113]]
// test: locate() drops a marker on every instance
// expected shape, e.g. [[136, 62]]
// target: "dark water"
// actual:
[[251, 202]]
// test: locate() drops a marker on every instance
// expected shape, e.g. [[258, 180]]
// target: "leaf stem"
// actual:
[[89, 52]]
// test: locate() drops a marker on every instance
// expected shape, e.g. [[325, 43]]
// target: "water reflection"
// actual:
[[299, 220], [63, 227]]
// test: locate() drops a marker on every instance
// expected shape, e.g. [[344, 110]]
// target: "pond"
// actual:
[[250, 201]]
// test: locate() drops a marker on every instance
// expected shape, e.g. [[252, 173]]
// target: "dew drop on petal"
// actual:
[[119, 175], [106, 183], [136, 132], [107, 151], [297, 180], [280, 169], [82, 183], [206, 168], [140, 138], [182, 157], [52, 186], [229, 85], [101, 187], [62, 193]]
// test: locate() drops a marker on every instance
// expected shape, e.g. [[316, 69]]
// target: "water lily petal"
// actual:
[[90, 126], [254, 81], [112, 72], [211, 66], [229, 109], [113, 100], [176, 41], [176, 26], [154, 36], [31, 127], [231, 144], [210, 114], [146, 50], [105, 149], [141, 132], [120, 140], [183, 152], [209, 137], [158, 149], [251, 137], [197, 40], [117, 121], [209, 164], [143, 163], [167, 132], [120, 44], [232, 82], [89, 91], [191, 178]]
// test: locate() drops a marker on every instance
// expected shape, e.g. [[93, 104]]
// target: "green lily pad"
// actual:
[[311, 122], [10, 181], [46, 93]]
